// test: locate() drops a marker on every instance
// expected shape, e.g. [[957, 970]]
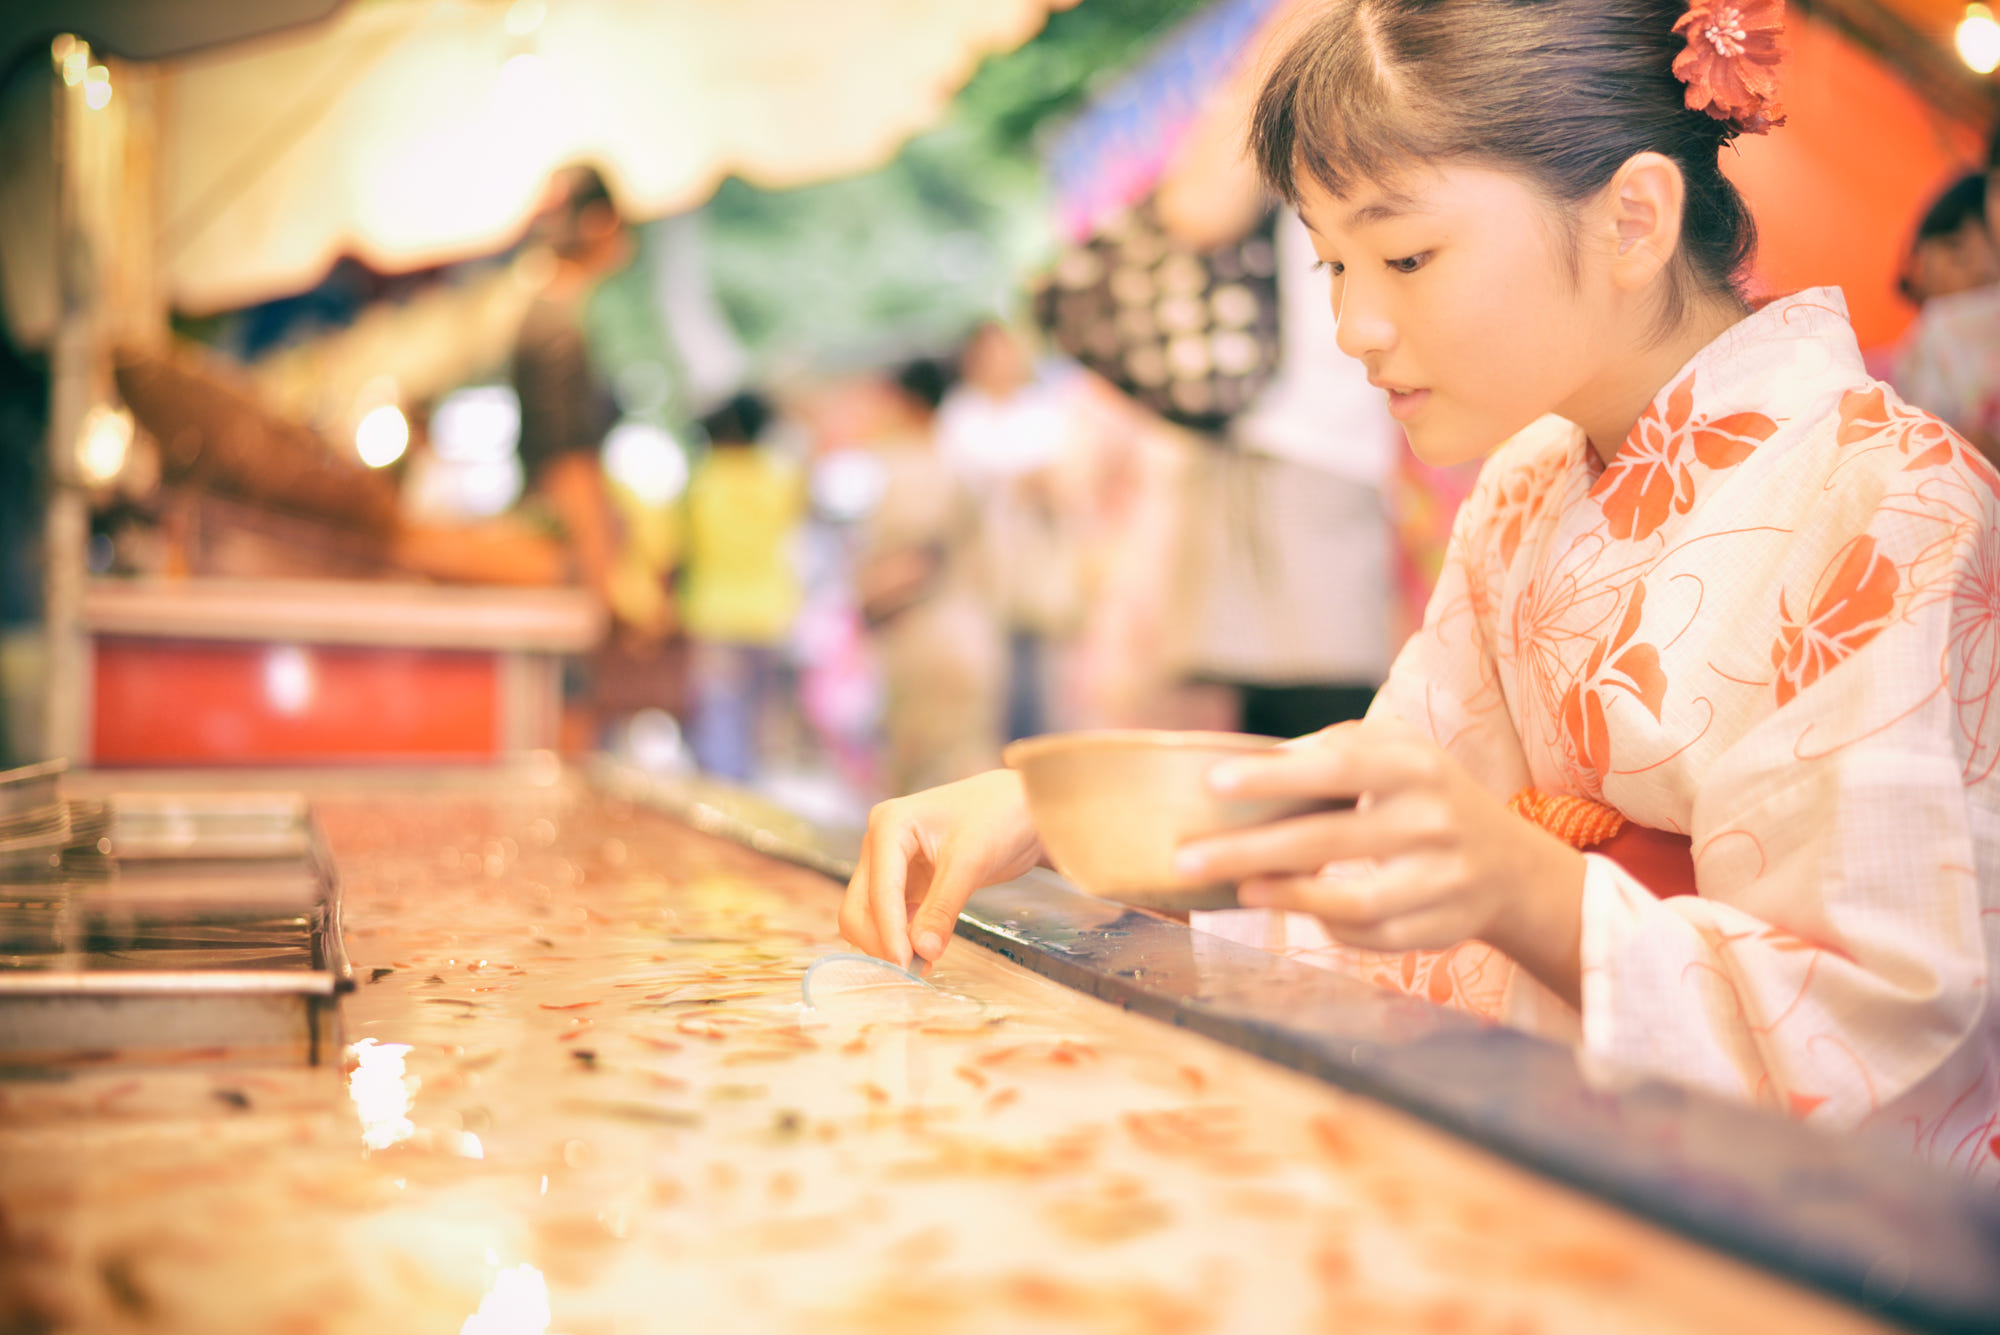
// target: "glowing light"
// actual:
[[646, 461], [1978, 39], [469, 1146], [96, 87], [288, 679], [104, 444], [524, 16], [381, 436], [72, 57], [654, 739], [517, 1304], [382, 1093], [477, 425], [473, 471]]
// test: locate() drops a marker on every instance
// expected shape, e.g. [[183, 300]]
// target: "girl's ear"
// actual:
[[1644, 201]]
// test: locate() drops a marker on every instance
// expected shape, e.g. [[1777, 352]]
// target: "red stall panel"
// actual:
[[1837, 190], [164, 701]]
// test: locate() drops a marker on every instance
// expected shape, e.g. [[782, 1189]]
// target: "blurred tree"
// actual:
[[906, 259]]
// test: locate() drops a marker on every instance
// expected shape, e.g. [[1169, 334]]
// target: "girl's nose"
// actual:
[[1362, 327]]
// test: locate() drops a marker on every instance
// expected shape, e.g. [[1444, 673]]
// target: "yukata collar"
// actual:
[[1779, 361], [1786, 363]]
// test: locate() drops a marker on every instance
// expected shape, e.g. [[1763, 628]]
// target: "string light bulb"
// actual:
[[72, 58], [1978, 39]]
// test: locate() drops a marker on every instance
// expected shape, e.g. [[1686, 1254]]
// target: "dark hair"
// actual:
[[926, 380], [1963, 202], [1961, 205], [1563, 92], [584, 199], [738, 421]]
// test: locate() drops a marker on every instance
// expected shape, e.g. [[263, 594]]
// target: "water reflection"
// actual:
[[382, 1093], [517, 1304]]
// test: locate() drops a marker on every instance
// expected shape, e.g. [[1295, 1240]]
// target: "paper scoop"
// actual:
[[855, 986], [846, 973]]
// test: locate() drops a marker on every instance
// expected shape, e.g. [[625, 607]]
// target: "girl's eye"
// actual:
[[1334, 267], [1410, 263]]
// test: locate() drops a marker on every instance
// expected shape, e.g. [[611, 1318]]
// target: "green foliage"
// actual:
[[904, 260]]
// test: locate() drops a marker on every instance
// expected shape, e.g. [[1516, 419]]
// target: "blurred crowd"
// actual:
[[882, 577], [1162, 496]]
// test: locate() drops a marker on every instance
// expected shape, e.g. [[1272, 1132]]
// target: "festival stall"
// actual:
[[407, 134], [515, 1048]]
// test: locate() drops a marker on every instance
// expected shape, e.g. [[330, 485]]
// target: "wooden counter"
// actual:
[[582, 1095]]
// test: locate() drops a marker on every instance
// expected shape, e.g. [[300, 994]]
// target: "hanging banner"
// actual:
[[1110, 155]]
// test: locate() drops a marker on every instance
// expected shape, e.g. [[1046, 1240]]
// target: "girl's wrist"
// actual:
[[1542, 928]]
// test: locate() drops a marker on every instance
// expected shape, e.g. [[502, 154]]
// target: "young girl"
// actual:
[[1722, 611]]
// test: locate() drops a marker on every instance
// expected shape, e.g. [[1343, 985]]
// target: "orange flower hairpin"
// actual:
[[1731, 63]]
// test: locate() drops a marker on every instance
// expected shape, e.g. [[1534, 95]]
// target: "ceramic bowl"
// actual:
[[1112, 806]]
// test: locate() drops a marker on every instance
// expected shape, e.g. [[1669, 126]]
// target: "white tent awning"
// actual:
[[412, 132]]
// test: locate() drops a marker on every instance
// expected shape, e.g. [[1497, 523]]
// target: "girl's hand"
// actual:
[[1450, 861], [928, 852]]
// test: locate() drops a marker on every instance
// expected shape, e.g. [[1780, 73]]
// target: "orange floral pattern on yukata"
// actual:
[[1867, 416], [1468, 977], [1973, 656], [1519, 499], [1853, 600], [1617, 664], [1651, 479]]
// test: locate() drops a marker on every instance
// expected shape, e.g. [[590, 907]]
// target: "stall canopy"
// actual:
[[411, 132]]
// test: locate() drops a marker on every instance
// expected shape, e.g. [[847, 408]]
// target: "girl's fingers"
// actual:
[[1320, 738], [1434, 929], [1364, 759], [1299, 844], [889, 853], [1406, 823], [1356, 901], [1395, 908], [937, 917], [857, 918]]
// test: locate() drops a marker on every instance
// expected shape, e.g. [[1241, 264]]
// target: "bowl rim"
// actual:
[[1018, 754]]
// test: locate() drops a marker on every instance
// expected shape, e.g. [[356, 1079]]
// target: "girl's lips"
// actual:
[[1407, 403]]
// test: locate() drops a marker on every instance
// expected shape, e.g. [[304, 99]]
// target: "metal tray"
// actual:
[[31, 787], [216, 937]]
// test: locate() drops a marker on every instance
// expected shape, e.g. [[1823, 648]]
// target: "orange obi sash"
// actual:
[[1662, 862]]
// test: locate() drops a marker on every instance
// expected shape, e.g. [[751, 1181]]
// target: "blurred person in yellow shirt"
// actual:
[[740, 593]]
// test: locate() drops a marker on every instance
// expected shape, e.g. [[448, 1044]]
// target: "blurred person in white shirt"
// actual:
[[1006, 430], [1950, 364]]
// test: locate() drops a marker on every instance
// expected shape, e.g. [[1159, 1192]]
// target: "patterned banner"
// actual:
[[1112, 153]]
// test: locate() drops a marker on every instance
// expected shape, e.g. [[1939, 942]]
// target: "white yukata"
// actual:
[[1771, 624]]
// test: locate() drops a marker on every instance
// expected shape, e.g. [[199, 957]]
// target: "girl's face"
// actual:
[[1454, 286]]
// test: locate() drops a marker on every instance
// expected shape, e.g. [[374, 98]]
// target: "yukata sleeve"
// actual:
[[1836, 958], [1445, 682]]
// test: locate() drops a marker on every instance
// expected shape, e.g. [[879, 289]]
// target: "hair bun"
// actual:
[[1730, 66]]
